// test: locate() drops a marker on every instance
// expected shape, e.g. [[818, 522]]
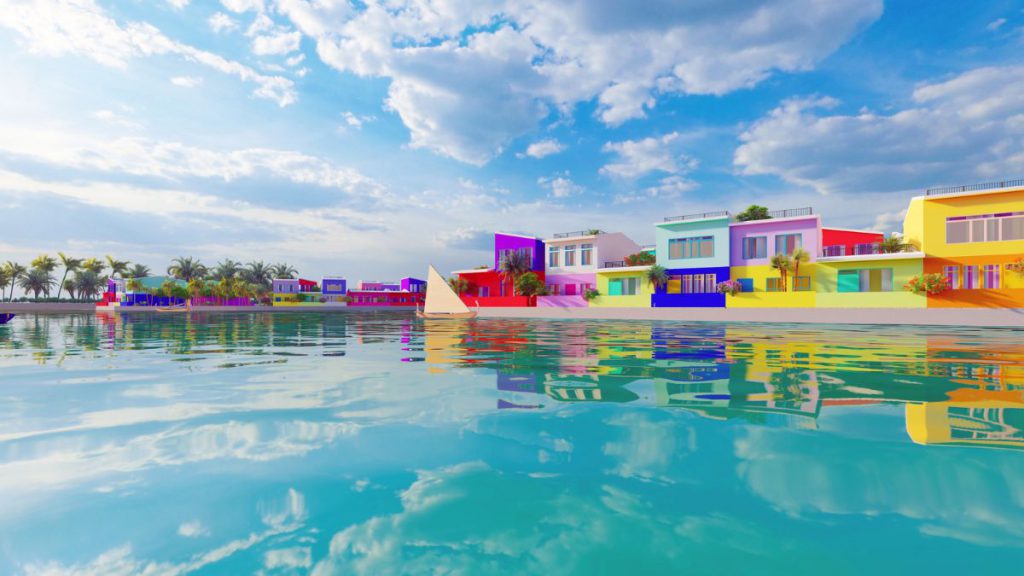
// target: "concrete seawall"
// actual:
[[996, 317]]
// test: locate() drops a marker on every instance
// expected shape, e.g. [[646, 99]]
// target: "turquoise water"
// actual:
[[373, 443]]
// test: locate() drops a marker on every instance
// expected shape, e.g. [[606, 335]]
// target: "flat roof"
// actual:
[[527, 236], [971, 193], [767, 220], [868, 257]]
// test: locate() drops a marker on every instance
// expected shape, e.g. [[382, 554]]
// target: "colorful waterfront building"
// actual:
[[487, 286], [622, 286], [330, 291], [974, 236], [572, 262], [751, 247], [334, 290], [853, 272], [694, 249], [149, 292], [407, 292]]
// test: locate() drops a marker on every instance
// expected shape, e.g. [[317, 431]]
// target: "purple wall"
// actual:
[[809, 227], [414, 285], [511, 242]]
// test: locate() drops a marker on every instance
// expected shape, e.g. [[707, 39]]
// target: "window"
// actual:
[[553, 258], [755, 247], [674, 285], [991, 276], [788, 243], [623, 286], [952, 274], [586, 254], [971, 278], [872, 280], [570, 255], [747, 284], [802, 284], [831, 251], [570, 289], [696, 247], [773, 285], [485, 291], [985, 228], [553, 289], [710, 283]]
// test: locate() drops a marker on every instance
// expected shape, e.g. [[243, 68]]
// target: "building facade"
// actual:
[[572, 262], [623, 287], [751, 247], [694, 249], [488, 287]]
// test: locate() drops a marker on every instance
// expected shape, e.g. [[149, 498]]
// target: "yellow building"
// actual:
[[763, 288], [869, 281], [625, 287], [972, 235]]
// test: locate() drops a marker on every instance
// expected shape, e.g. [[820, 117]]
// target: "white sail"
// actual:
[[441, 299]]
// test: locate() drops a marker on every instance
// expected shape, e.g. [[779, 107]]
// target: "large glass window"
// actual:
[[623, 286], [570, 255], [985, 228], [788, 243], [696, 247], [553, 257], [971, 278], [755, 247], [991, 273], [874, 280], [586, 254], [952, 274]]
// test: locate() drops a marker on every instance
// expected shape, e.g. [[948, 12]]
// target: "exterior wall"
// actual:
[[902, 271], [513, 242], [1009, 295], [608, 247], [913, 225], [285, 286], [718, 228], [761, 298], [383, 298], [641, 300], [371, 285], [500, 301], [808, 226], [576, 280], [493, 281], [662, 299], [413, 285], [848, 238], [334, 286]]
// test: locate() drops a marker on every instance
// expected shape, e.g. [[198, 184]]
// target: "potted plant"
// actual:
[[931, 284], [590, 294], [729, 287]]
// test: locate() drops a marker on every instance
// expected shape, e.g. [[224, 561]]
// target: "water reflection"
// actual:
[[503, 446]]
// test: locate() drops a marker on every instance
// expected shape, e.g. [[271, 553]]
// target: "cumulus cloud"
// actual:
[[193, 529], [466, 239], [81, 27], [220, 22], [269, 38], [560, 186], [187, 81], [469, 78], [178, 4], [543, 148], [356, 121], [966, 128], [636, 158]]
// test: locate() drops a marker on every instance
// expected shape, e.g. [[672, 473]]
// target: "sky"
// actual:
[[366, 138]]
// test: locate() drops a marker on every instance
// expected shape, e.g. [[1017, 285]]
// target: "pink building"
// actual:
[[572, 260]]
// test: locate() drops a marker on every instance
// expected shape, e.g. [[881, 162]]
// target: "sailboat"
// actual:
[[442, 301], [5, 318]]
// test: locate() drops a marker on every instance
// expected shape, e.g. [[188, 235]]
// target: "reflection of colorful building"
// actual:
[[694, 249], [487, 286], [972, 235], [752, 245], [572, 261], [994, 423]]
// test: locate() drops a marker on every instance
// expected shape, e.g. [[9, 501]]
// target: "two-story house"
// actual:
[[694, 249], [573, 259]]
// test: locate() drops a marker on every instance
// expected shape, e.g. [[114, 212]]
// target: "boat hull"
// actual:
[[5, 318]]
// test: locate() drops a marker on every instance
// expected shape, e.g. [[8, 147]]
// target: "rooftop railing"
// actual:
[[576, 233], [974, 187], [791, 213], [615, 264], [698, 216]]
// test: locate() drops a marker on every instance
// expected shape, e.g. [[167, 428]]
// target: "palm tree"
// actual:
[[37, 280], [257, 273], [45, 262], [139, 271], [458, 284], [70, 265], [783, 264], [134, 285], [515, 264], [799, 255], [657, 276], [5, 279], [195, 287], [283, 270], [226, 270], [186, 268], [93, 265], [16, 272], [69, 287], [118, 268], [892, 245], [88, 283]]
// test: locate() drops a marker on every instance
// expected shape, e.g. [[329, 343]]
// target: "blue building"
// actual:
[[694, 249]]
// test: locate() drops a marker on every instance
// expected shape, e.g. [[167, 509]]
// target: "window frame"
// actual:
[[758, 254]]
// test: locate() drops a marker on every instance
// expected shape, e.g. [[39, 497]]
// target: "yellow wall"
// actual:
[[760, 298], [902, 272], [937, 209], [913, 224], [641, 300]]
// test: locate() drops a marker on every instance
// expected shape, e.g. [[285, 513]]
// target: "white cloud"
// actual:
[[636, 158], [967, 128], [560, 186], [276, 43], [467, 94], [80, 27], [240, 6], [187, 81], [193, 529], [116, 118], [356, 121], [543, 148], [295, 60], [178, 4], [221, 22], [996, 24]]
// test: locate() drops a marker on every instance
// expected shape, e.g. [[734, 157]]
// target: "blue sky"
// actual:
[[368, 138]]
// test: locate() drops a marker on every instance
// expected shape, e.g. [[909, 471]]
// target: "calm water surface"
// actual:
[[373, 443]]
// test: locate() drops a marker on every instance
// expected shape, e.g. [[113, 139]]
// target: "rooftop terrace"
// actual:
[[974, 187]]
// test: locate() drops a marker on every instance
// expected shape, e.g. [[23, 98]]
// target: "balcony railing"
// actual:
[[974, 187], [865, 249], [577, 233], [791, 213], [698, 216], [615, 264]]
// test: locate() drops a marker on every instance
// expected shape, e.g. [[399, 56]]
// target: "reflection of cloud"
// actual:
[[982, 503], [647, 448]]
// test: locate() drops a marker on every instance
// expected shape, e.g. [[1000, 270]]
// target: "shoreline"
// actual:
[[971, 317]]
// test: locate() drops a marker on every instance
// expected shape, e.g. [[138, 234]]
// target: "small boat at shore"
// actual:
[[5, 318], [442, 302], [182, 308]]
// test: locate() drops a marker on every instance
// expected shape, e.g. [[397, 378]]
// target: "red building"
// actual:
[[488, 288], [385, 298], [843, 242]]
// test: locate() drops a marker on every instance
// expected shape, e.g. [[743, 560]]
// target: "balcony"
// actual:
[[698, 216], [974, 187], [864, 249], [615, 264]]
